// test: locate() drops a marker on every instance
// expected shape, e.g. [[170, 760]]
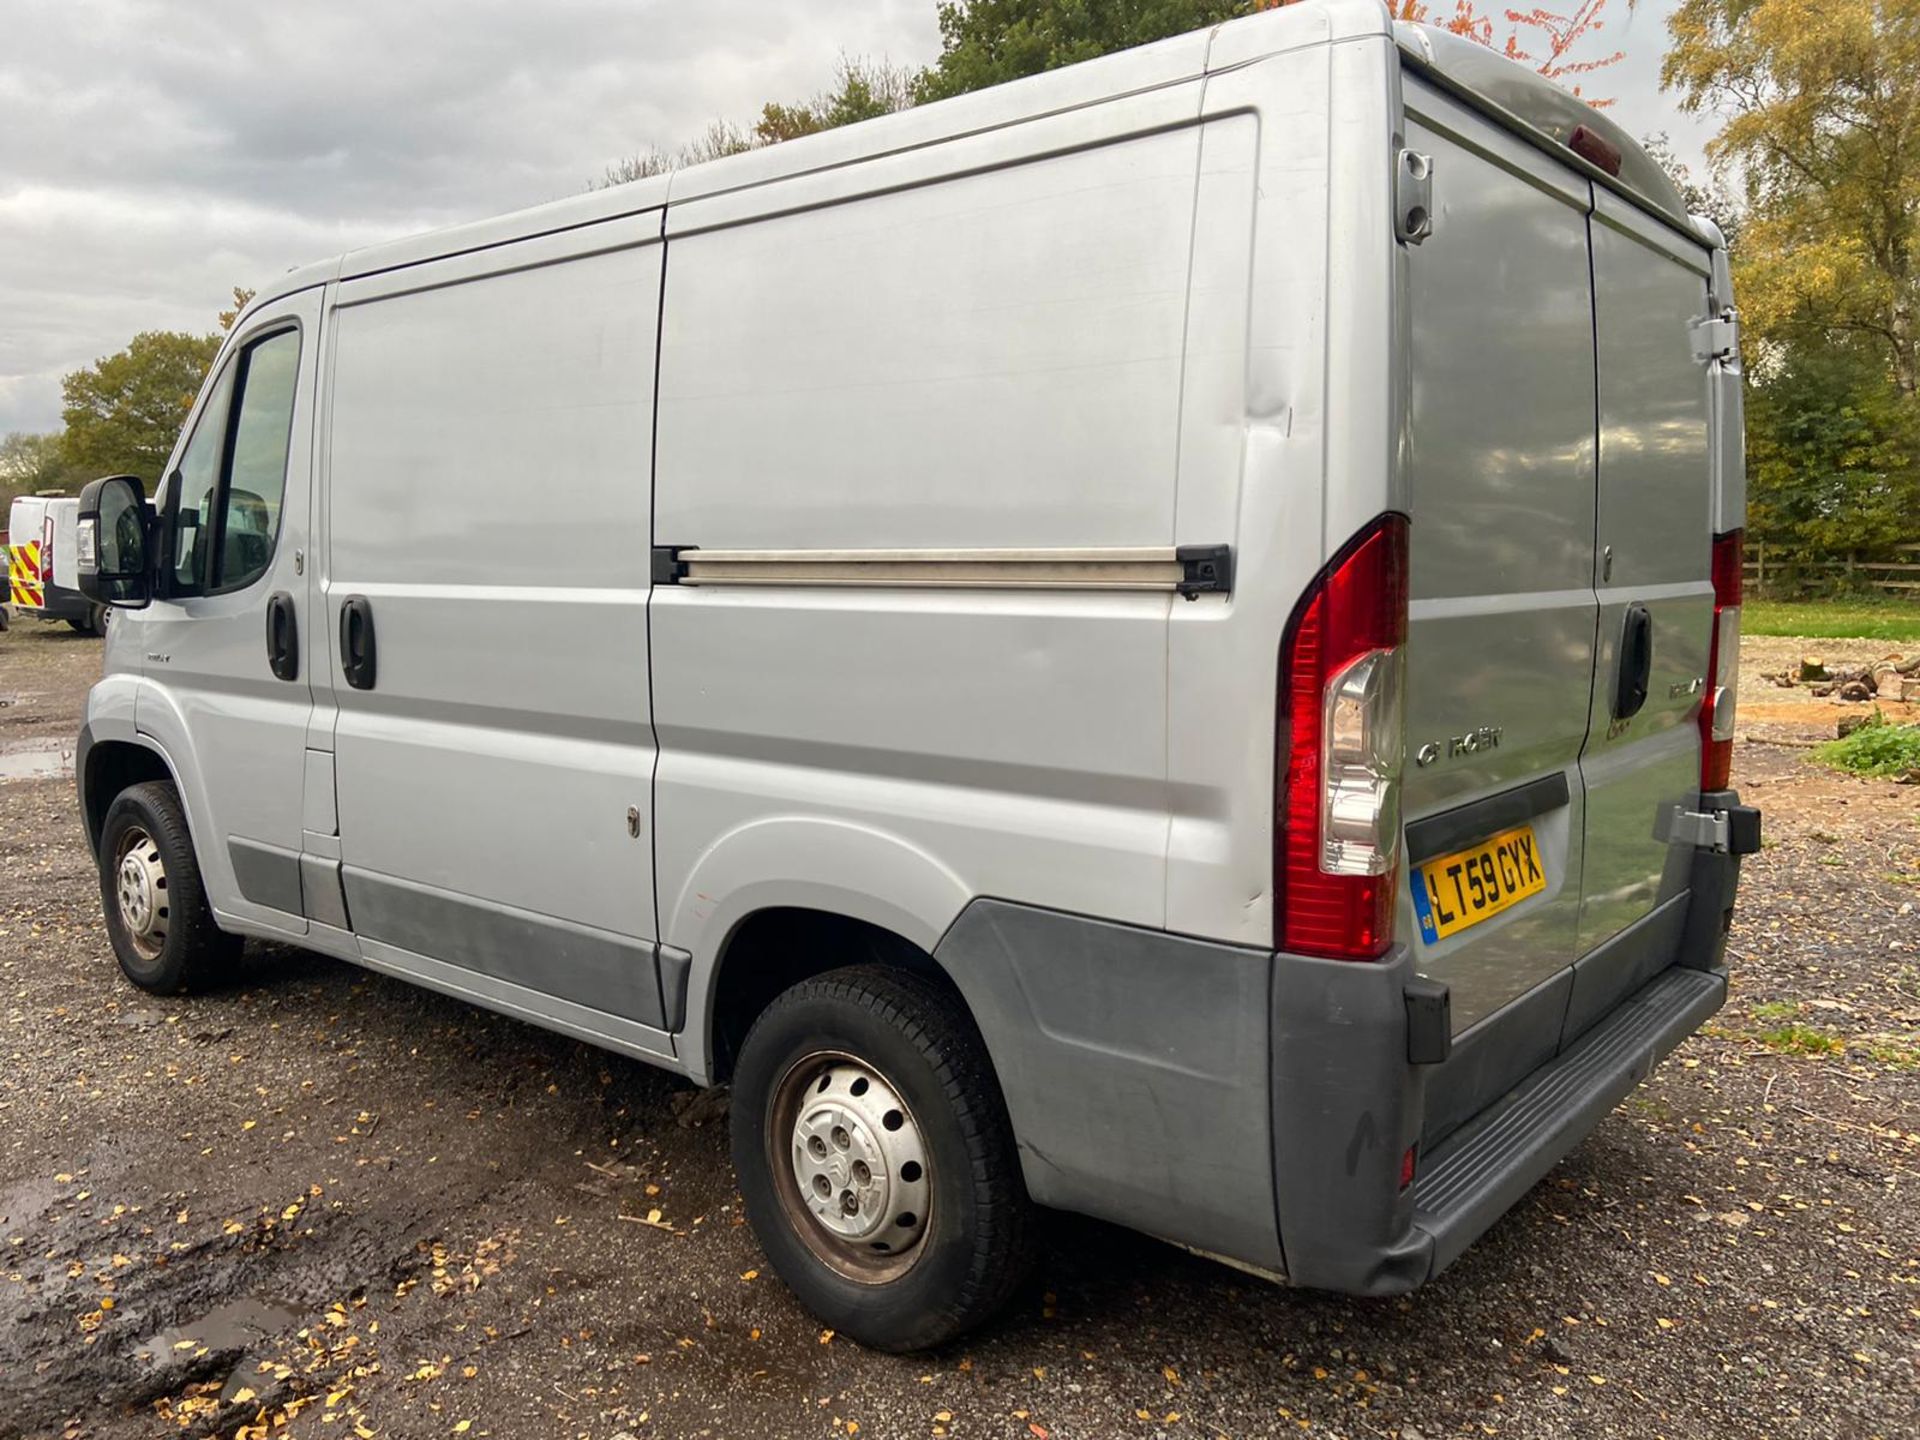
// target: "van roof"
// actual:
[[1514, 95], [1532, 104]]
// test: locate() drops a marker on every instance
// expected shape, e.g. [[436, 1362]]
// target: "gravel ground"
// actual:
[[322, 1203]]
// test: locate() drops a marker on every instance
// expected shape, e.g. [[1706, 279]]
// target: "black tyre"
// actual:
[[872, 1146], [158, 919]]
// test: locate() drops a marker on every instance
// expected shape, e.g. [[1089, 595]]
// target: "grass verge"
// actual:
[[1847, 619]]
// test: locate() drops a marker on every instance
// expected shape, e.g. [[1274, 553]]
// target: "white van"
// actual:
[[42, 578], [1155, 641]]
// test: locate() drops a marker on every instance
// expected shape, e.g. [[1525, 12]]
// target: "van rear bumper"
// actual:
[[1521, 1089], [1345, 1222], [1259, 1106], [1480, 1171], [60, 603]]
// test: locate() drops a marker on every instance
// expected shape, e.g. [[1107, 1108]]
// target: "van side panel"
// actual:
[[1252, 470], [489, 466], [982, 359]]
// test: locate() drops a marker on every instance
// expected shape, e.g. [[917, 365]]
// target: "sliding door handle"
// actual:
[[356, 641]]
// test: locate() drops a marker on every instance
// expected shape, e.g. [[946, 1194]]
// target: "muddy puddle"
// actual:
[[237, 1325], [35, 760]]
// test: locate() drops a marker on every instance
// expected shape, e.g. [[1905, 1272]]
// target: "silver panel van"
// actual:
[[1156, 641]]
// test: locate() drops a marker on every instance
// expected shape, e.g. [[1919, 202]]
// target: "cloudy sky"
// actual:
[[155, 154]]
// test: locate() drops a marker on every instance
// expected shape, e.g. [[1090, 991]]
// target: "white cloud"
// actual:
[[153, 155]]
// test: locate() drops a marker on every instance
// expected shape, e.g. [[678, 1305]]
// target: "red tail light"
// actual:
[[1341, 738], [1723, 664]]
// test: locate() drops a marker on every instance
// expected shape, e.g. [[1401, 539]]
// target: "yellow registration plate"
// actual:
[[1466, 887]]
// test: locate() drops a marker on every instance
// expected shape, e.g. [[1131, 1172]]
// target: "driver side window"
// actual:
[[234, 473]]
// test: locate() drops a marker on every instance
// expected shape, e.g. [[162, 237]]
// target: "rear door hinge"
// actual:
[[1413, 197], [1733, 831], [1717, 338], [1703, 830]]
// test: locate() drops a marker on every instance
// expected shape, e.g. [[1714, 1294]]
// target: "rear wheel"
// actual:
[[873, 1149], [158, 919]]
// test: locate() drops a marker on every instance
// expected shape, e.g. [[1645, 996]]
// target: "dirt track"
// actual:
[[325, 1194]]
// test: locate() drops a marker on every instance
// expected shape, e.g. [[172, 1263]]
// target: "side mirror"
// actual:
[[111, 540]]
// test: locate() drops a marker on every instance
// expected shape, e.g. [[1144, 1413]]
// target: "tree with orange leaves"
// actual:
[[1541, 38]]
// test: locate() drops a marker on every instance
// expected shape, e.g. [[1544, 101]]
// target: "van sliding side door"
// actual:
[[489, 480]]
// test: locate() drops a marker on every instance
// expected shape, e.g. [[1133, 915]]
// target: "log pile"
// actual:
[[1888, 678]]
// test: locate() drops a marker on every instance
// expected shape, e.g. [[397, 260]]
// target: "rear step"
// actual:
[[1488, 1164]]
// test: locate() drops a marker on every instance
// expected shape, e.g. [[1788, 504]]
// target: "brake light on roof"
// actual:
[[1723, 664], [1593, 147], [1341, 740]]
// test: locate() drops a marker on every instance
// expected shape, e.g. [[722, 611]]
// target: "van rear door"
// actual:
[[1500, 652], [1653, 574]]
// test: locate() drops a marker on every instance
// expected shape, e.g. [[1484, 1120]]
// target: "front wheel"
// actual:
[[872, 1146], [158, 919]]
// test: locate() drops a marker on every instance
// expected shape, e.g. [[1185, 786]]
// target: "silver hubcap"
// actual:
[[140, 886], [859, 1160]]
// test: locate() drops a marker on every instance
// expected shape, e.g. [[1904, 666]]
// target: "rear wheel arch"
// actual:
[[776, 948]]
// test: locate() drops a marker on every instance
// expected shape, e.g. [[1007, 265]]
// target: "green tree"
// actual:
[[1709, 198], [123, 412], [984, 42], [1823, 106], [242, 297], [863, 89], [1833, 452], [29, 464]]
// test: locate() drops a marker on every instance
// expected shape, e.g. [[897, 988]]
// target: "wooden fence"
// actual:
[[1770, 570]]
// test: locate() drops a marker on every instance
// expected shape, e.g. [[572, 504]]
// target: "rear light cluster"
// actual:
[[1723, 664], [1341, 741]]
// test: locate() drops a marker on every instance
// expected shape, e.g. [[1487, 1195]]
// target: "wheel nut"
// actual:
[[849, 1203], [817, 1148], [822, 1186], [861, 1172], [841, 1138]]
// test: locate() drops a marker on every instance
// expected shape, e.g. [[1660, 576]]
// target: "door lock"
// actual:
[[633, 821]]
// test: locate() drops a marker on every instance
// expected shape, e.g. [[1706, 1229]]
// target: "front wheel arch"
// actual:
[[105, 768]]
